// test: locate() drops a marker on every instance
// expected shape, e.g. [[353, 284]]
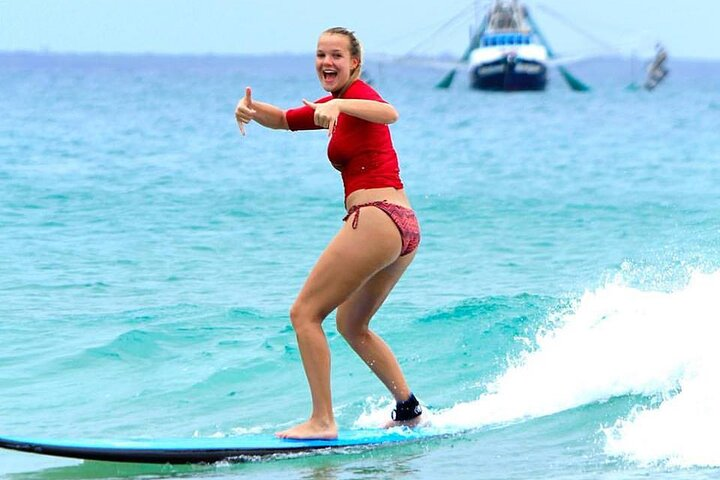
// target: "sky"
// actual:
[[688, 29]]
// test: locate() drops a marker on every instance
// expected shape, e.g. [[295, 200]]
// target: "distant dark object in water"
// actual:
[[657, 70]]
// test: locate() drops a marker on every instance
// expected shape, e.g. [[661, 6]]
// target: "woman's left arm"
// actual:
[[370, 110]]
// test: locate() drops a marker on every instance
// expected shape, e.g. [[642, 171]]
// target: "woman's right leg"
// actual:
[[351, 258]]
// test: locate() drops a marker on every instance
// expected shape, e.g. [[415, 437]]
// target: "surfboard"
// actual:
[[206, 450]]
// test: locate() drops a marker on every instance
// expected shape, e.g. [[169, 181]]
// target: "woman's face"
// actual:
[[333, 61]]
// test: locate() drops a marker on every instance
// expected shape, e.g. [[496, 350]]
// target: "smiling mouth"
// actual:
[[329, 75]]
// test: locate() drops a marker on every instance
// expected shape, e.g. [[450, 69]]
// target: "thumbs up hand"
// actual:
[[244, 112], [326, 114]]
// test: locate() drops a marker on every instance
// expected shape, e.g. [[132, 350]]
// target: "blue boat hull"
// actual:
[[509, 74]]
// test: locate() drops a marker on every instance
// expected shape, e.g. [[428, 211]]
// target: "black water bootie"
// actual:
[[407, 410]]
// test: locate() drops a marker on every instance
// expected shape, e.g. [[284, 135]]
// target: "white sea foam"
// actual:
[[619, 340]]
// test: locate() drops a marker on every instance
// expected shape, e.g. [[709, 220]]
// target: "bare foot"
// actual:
[[310, 430], [407, 423]]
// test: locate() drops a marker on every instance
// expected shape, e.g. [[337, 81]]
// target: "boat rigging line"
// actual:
[[565, 21]]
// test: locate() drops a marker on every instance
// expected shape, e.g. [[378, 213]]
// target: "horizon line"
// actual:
[[445, 56]]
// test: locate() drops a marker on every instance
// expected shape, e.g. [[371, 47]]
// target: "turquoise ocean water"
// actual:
[[563, 310]]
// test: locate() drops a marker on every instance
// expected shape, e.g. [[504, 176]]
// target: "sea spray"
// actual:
[[682, 428]]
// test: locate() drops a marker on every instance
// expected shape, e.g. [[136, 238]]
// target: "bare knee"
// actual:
[[302, 317], [352, 332]]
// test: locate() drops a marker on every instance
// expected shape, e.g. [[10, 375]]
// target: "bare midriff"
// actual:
[[389, 194]]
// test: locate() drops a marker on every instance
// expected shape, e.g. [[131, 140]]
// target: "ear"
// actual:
[[354, 63]]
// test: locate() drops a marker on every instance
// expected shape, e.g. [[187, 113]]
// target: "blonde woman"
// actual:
[[377, 242]]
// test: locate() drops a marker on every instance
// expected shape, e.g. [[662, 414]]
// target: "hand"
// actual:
[[326, 114], [244, 112]]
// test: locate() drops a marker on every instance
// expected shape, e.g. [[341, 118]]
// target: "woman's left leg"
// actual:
[[353, 319]]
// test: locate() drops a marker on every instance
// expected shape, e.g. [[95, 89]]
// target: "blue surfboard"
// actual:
[[206, 450]]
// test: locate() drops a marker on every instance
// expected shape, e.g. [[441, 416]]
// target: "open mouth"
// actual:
[[329, 75]]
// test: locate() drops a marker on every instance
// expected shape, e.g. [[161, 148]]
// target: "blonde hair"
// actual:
[[356, 49]]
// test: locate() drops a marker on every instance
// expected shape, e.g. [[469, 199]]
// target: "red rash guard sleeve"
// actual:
[[302, 118]]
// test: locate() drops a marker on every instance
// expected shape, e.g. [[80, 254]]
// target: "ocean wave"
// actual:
[[136, 343], [656, 347], [681, 428]]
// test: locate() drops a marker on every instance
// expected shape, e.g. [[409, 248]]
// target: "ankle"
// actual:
[[407, 409], [323, 421]]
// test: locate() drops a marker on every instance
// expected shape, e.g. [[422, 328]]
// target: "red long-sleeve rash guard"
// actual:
[[362, 151]]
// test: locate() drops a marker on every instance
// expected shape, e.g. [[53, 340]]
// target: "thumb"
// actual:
[[310, 104], [248, 93]]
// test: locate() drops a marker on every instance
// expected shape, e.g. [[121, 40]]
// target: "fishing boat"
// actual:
[[509, 55], [507, 52]]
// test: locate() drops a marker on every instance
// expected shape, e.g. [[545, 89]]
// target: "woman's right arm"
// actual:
[[263, 113]]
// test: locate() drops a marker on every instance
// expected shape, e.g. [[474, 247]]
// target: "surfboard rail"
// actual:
[[205, 450]]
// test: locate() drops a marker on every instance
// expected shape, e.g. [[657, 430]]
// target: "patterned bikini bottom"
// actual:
[[403, 217]]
